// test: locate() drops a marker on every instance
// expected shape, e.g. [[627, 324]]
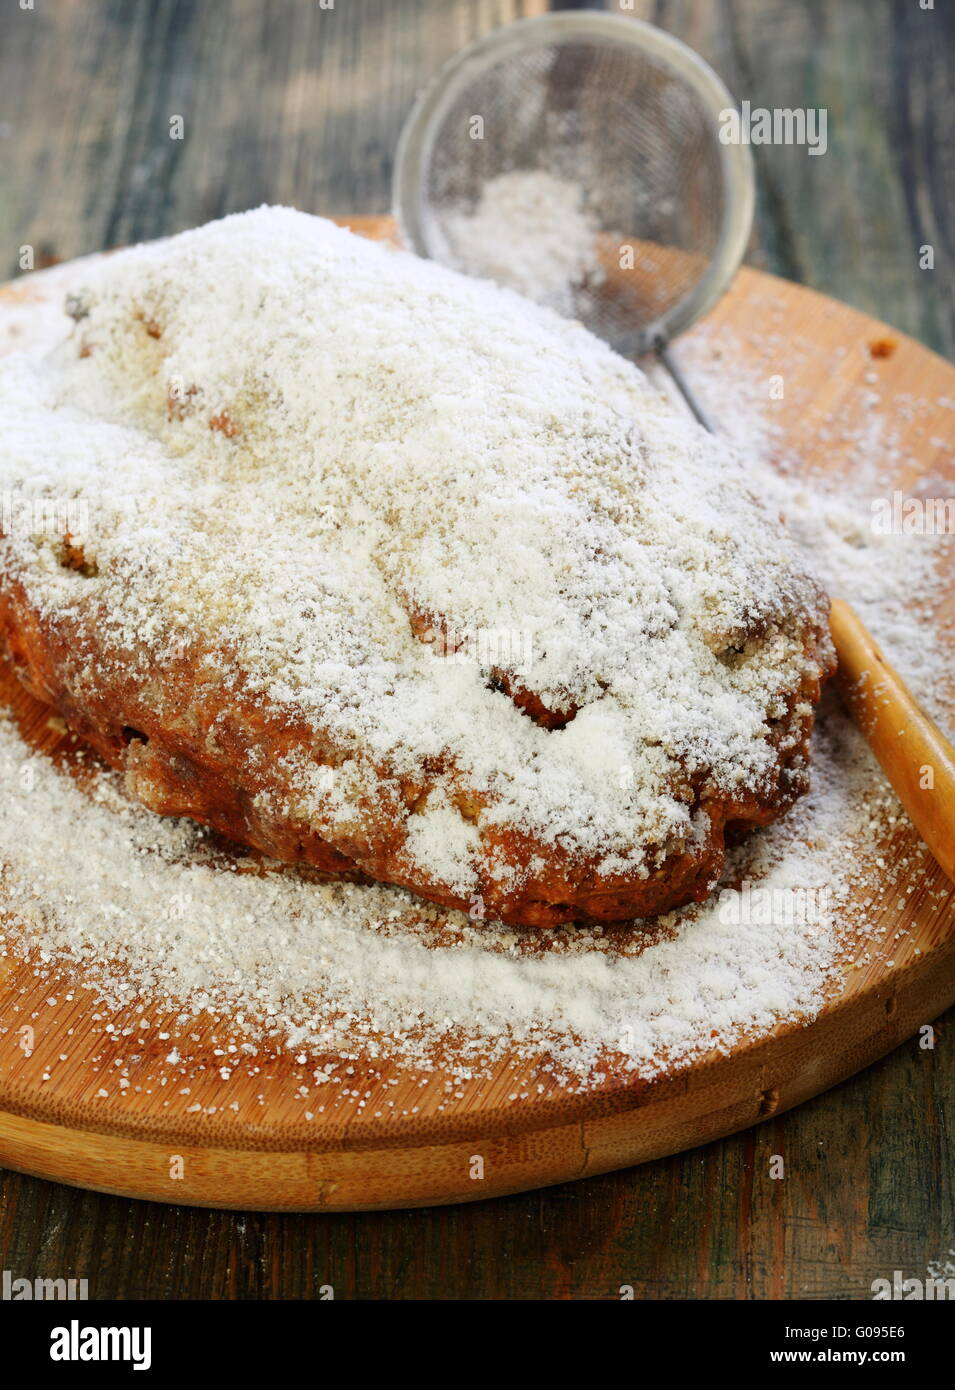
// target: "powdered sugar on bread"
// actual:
[[380, 500]]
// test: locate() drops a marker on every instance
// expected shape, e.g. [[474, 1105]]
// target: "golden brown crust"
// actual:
[[169, 767], [191, 739]]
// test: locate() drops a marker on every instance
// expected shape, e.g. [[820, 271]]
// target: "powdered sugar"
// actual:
[[148, 909], [884, 574], [532, 232], [292, 441], [153, 911]]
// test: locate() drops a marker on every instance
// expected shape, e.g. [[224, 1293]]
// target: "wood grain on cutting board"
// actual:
[[348, 1157]]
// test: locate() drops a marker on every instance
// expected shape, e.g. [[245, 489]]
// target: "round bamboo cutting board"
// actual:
[[244, 1141]]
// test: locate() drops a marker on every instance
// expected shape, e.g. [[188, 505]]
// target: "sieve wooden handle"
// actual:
[[913, 752]]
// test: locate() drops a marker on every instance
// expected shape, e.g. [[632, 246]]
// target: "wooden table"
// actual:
[[293, 102]]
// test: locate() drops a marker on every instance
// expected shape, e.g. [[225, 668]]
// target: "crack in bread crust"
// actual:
[[173, 770], [285, 500]]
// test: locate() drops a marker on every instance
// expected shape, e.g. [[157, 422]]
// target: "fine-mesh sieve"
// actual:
[[616, 110]]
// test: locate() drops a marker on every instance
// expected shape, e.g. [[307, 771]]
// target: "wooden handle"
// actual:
[[914, 754]]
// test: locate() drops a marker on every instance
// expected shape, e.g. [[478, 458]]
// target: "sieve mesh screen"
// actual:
[[623, 127]]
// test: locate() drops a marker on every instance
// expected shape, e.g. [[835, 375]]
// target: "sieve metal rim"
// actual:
[[418, 134]]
